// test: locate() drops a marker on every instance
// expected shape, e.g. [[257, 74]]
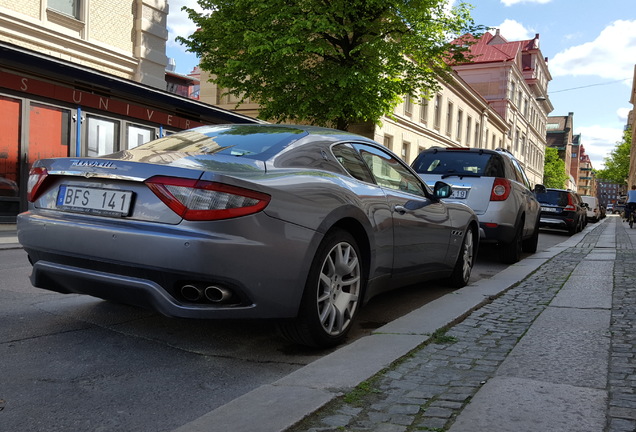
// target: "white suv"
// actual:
[[495, 186]]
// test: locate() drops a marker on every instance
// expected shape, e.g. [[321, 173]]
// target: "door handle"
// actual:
[[400, 209]]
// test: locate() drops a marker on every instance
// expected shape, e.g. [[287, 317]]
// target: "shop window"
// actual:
[[137, 135], [103, 136], [9, 166]]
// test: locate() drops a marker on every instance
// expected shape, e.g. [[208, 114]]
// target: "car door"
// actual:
[[421, 224], [532, 206]]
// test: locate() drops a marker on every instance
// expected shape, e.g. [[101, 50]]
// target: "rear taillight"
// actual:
[[500, 189], [37, 176], [570, 206], [203, 200]]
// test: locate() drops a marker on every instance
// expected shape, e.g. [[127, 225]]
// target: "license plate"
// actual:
[[459, 194], [105, 202], [549, 209]]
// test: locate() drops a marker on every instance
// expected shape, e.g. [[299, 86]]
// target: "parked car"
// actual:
[[610, 209], [296, 223], [495, 186], [592, 208], [562, 209]]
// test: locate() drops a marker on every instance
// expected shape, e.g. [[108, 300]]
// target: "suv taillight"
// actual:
[[570, 206], [204, 200], [37, 176], [500, 189]]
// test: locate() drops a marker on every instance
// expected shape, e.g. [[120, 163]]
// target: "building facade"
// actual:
[[631, 125], [84, 78], [560, 135], [513, 77]]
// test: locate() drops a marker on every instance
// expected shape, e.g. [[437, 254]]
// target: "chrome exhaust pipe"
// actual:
[[217, 294], [191, 292]]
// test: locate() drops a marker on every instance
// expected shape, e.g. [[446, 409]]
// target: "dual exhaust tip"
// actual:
[[211, 293]]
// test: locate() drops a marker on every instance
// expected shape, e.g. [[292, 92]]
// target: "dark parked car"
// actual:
[[562, 209], [296, 223], [494, 184]]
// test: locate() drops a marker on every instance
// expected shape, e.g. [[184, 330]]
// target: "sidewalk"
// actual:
[[8, 237], [553, 353]]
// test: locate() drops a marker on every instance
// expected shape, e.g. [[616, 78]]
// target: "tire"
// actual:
[[332, 294], [530, 244], [573, 229], [465, 260], [511, 252]]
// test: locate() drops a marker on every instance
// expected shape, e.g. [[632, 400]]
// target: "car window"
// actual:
[[249, 141], [557, 198], [351, 161], [459, 162], [520, 173], [389, 172]]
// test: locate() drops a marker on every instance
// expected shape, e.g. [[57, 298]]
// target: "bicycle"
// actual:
[[631, 208]]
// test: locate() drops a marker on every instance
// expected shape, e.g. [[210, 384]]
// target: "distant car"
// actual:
[[494, 184], [8, 188], [562, 209], [618, 209], [592, 208], [610, 209], [296, 223]]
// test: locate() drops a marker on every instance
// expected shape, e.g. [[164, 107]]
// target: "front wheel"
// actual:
[[332, 294], [464, 264]]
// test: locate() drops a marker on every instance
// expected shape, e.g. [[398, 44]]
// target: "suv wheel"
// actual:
[[511, 252], [530, 244]]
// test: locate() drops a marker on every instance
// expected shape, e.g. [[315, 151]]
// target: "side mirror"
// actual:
[[442, 190], [539, 188]]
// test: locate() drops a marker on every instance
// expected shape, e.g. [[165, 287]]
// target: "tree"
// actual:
[[617, 163], [554, 174], [328, 62]]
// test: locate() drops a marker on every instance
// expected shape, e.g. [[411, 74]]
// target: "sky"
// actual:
[[590, 46]]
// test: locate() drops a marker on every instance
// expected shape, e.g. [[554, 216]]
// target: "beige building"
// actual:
[[125, 38], [497, 101]]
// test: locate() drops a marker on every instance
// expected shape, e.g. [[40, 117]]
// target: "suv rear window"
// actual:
[[459, 162], [557, 198]]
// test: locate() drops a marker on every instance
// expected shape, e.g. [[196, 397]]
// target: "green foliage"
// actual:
[[617, 163], [554, 174], [328, 62]]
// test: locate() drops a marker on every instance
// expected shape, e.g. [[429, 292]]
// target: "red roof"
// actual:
[[495, 48]]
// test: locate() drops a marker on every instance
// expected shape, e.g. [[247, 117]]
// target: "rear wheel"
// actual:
[[530, 244], [332, 294], [464, 265], [511, 252]]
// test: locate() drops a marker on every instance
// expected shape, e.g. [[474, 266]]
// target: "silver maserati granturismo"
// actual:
[[295, 223]]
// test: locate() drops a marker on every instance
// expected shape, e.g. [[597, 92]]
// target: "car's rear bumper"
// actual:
[[552, 222], [496, 234], [147, 265]]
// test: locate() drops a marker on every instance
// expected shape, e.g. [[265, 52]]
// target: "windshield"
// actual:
[[556, 198], [458, 163]]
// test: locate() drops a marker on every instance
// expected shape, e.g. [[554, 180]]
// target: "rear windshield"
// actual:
[[235, 140], [557, 198], [459, 162]]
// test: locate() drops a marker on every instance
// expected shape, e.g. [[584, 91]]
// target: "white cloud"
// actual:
[[513, 30], [611, 55], [179, 24], [622, 114], [514, 2], [599, 141]]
